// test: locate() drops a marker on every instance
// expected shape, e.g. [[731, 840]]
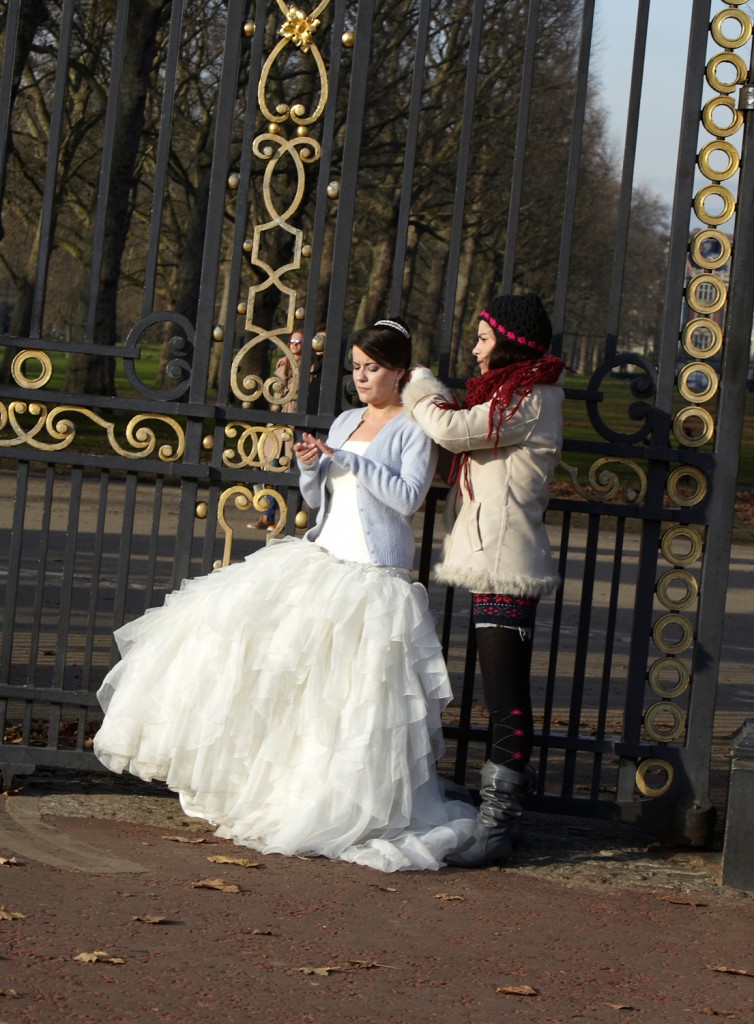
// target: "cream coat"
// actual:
[[498, 543]]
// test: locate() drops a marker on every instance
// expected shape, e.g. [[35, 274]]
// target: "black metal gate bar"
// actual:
[[627, 180], [459, 198], [53, 153], [409, 164], [572, 175], [329, 390], [519, 150], [94, 596]]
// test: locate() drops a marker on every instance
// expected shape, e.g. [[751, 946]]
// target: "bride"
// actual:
[[293, 699]]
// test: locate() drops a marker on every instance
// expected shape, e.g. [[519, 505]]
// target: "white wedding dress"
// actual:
[[293, 700]]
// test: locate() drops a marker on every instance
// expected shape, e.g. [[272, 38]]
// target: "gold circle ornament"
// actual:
[[702, 285], [208, 442], [712, 107], [705, 261], [731, 42], [348, 39], [729, 152], [201, 510], [241, 309], [660, 685], [732, 59], [672, 578], [710, 192], [302, 519], [651, 765], [249, 28], [218, 333], [664, 721], [671, 620], [300, 313], [693, 426], [23, 377], [706, 328], [333, 190], [681, 545], [686, 486], [234, 180], [690, 385]]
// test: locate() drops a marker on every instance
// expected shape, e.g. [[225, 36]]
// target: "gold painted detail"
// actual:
[[283, 189], [681, 545], [672, 633], [693, 427], [664, 721], [605, 484], [669, 677], [246, 500], [259, 447], [23, 377], [677, 589], [646, 772], [686, 486], [299, 29], [52, 430]]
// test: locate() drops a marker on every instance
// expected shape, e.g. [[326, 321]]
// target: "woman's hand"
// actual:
[[310, 448]]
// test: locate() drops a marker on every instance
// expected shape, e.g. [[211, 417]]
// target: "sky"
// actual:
[[659, 120]]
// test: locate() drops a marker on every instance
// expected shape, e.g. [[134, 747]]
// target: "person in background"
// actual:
[[506, 442]]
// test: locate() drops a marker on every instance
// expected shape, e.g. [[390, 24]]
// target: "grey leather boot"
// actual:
[[498, 824]]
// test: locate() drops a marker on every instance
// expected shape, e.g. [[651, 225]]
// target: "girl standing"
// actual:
[[507, 440]]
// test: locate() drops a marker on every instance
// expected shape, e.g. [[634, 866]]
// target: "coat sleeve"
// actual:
[[402, 490], [463, 430]]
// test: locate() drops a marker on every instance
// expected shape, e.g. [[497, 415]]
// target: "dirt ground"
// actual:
[[592, 922]]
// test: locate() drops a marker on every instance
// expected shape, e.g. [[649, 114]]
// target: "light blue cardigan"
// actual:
[[393, 477]]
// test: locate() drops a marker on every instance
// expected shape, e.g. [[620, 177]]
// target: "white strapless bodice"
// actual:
[[342, 533]]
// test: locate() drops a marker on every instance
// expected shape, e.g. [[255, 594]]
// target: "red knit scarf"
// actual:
[[505, 389]]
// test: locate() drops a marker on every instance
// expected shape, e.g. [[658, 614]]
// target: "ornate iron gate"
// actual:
[[183, 183]]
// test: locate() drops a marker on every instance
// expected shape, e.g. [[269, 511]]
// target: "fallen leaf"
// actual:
[[150, 919], [448, 896], [186, 839], [215, 883], [368, 965], [620, 1006], [261, 931], [516, 990], [11, 915], [220, 858], [384, 888], [710, 1011], [99, 956], [11, 862], [683, 903], [730, 970], [10, 993], [319, 970]]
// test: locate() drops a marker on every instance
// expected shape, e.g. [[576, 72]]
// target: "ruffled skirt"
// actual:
[[293, 700]]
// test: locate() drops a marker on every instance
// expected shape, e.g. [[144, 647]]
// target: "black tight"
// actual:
[[505, 664]]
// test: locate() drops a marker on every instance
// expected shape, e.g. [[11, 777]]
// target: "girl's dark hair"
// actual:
[[386, 345], [505, 353]]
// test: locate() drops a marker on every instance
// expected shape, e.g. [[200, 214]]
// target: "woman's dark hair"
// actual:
[[505, 353], [386, 344]]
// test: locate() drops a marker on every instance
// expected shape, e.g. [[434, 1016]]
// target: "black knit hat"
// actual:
[[521, 319]]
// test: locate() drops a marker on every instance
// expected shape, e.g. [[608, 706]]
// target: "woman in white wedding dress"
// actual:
[[294, 699]]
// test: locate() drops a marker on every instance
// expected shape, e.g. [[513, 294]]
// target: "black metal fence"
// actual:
[[182, 184]]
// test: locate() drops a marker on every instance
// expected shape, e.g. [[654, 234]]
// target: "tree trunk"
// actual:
[[95, 374]]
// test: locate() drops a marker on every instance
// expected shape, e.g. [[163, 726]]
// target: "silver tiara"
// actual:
[[393, 324]]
